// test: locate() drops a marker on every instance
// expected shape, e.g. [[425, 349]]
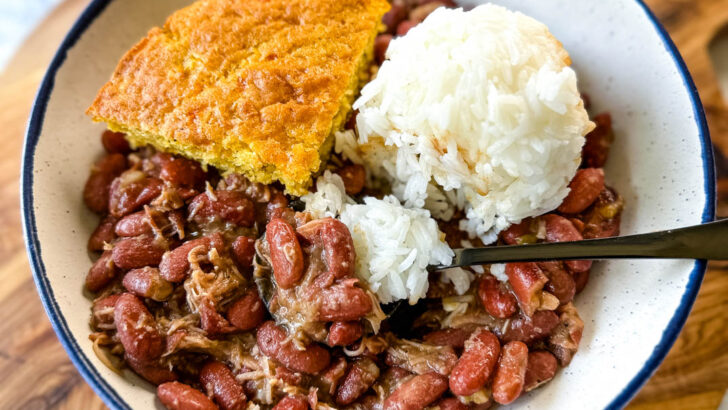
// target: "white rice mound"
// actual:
[[394, 245], [477, 110]]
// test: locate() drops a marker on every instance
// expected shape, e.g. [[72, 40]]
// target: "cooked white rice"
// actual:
[[329, 198], [477, 110], [394, 245], [459, 277]]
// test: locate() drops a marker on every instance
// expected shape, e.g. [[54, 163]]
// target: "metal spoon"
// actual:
[[707, 241]]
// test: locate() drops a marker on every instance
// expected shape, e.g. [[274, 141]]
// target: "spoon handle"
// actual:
[[707, 241]]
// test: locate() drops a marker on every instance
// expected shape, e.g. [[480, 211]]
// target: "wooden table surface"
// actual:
[[35, 372]]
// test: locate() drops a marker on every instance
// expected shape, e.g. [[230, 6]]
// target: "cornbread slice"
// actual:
[[256, 87]]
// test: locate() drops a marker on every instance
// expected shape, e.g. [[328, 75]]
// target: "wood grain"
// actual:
[[692, 24], [35, 372]]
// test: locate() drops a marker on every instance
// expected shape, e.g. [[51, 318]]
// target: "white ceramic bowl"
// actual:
[[661, 163]]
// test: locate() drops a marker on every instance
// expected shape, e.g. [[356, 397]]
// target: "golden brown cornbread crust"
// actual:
[[249, 86]]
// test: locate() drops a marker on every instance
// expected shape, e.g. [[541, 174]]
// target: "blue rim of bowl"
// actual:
[[112, 398]]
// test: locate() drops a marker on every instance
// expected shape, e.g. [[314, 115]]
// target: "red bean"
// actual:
[[527, 329], [150, 221], [359, 378], [560, 229], [134, 225], [101, 273], [338, 245], [452, 337], [598, 142], [212, 322], [446, 3], [179, 396], [175, 265], [244, 251], [561, 283], [419, 13], [131, 191], [137, 252], [404, 27], [180, 171], [278, 208], [496, 299], [580, 280], [137, 329], [339, 248], [272, 342], [278, 205], [293, 402], [277, 199], [393, 17], [511, 372], [381, 43], [285, 253], [247, 312], [115, 142], [585, 188], [527, 281], [344, 333], [541, 368], [227, 206], [104, 233], [96, 190], [146, 282], [417, 393], [519, 234], [475, 366], [153, 372], [220, 383], [343, 302]]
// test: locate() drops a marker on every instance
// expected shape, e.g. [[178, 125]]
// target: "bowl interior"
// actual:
[[660, 163]]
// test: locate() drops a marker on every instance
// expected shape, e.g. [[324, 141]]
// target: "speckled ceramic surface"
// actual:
[[661, 163]]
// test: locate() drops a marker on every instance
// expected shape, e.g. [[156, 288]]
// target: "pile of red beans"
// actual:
[[163, 224], [216, 290]]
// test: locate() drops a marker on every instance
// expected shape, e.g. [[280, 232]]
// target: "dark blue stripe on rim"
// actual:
[[112, 398]]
